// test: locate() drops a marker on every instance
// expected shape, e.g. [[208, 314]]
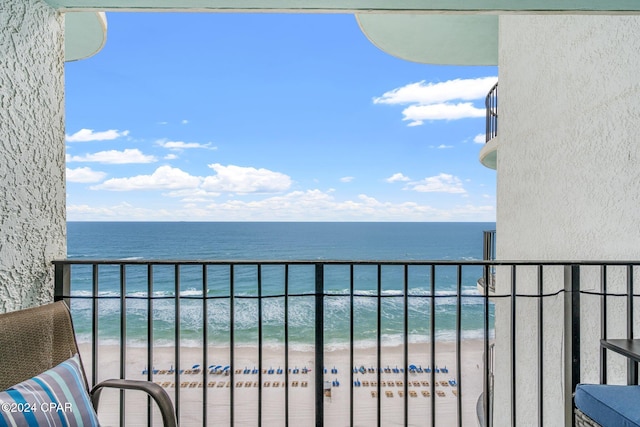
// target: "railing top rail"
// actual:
[[344, 262]]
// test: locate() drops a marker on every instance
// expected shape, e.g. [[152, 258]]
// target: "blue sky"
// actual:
[[269, 117]]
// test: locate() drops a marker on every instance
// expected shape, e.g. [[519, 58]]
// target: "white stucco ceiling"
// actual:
[[354, 6], [435, 39], [85, 34], [455, 32]]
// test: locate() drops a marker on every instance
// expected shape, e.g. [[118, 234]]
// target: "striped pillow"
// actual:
[[56, 397]]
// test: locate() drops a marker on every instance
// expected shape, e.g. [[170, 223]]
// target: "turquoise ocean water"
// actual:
[[286, 242]]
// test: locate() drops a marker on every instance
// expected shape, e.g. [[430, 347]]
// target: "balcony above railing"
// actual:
[[491, 104], [488, 254], [489, 153]]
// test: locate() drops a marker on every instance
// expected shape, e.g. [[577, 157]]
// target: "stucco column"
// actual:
[[568, 187], [32, 152]]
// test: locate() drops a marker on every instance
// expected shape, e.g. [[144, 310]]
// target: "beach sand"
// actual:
[[301, 386]]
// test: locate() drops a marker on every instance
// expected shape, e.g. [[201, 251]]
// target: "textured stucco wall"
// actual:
[[32, 182], [568, 184]]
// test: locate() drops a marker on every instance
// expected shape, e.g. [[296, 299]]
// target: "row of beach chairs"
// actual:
[[413, 393], [225, 370], [442, 383], [275, 384], [413, 369], [227, 384]]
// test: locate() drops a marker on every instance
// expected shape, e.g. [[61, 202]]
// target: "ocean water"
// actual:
[[286, 242]]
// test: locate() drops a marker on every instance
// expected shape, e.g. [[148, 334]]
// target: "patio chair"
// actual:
[[35, 342], [602, 405]]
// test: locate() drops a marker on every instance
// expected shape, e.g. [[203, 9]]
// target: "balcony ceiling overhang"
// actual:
[[454, 32], [356, 6], [434, 39], [85, 34]]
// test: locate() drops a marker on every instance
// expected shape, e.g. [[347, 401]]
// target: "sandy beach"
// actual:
[[246, 385]]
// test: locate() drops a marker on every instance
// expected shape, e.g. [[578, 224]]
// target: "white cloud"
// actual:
[[190, 195], [480, 138], [84, 175], [119, 211], [416, 114], [170, 157], [181, 145], [228, 179], [398, 177], [309, 205], [442, 183], [436, 93], [442, 146], [185, 121], [474, 212], [238, 179], [435, 101], [164, 178], [84, 135], [129, 155], [347, 179], [316, 205]]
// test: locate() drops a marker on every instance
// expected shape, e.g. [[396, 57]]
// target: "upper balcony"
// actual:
[[489, 153], [488, 254]]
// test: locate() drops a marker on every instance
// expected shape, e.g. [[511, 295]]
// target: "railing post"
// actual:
[[62, 282], [572, 338], [487, 390], [632, 367], [319, 344], [603, 323]]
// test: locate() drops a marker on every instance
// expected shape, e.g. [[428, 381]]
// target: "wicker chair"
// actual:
[[35, 340], [584, 421]]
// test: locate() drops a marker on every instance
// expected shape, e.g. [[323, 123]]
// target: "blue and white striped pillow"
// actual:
[[56, 397]]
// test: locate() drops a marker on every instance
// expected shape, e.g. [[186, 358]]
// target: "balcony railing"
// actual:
[[491, 103], [385, 323]]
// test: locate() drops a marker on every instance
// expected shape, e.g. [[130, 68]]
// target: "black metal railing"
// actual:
[[422, 293], [491, 103]]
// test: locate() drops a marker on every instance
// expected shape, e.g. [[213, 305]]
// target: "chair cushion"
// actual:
[[57, 397], [610, 405]]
